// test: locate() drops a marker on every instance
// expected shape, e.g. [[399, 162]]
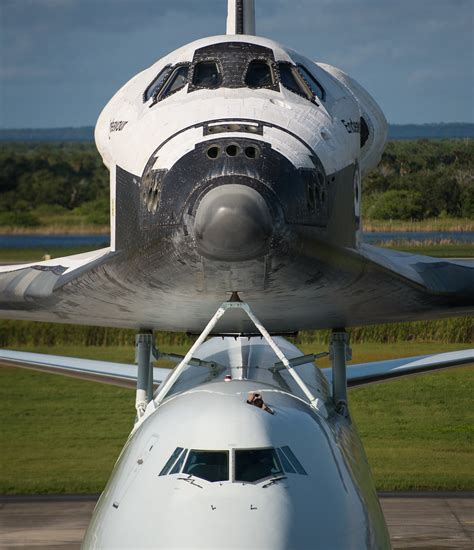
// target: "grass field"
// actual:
[[16, 255], [430, 224], [454, 250], [64, 435], [72, 223]]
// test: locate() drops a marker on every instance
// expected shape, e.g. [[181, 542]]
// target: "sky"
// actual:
[[62, 60]]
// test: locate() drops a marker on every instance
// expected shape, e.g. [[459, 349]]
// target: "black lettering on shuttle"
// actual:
[[117, 125], [352, 126]]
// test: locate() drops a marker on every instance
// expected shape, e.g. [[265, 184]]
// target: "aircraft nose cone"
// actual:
[[233, 223]]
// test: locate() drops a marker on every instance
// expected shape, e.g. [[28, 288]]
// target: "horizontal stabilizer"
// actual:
[[118, 374], [381, 371]]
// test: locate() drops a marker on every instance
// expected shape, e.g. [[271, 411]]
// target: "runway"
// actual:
[[427, 521]]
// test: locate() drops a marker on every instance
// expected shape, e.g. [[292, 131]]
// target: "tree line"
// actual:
[[414, 180]]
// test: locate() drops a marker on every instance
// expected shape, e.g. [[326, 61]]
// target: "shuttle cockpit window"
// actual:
[[207, 74], [254, 464], [177, 80], [294, 79], [209, 465], [169, 81], [288, 79], [156, 84], [316, 88], [259, 74]]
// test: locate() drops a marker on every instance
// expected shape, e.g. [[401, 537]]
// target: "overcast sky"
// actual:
[[61, 60]]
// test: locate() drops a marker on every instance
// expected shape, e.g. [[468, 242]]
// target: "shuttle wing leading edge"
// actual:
[[119, 289]]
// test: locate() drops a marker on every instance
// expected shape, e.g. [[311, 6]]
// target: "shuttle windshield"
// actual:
[[234, 65], [259, 74], [207, 75]]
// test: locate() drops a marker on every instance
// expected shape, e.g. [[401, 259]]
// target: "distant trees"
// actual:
[[422, 179], [49, 180], [45, 182]]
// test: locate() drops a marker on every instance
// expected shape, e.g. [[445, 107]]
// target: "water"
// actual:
[[53, 241], [99, 241]]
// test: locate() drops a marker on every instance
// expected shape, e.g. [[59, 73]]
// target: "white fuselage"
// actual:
[[330, 503]]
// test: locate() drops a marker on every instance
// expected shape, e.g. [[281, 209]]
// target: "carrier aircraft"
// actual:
[[235, 188]]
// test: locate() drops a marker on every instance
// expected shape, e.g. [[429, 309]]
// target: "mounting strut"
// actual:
[[143, 357], [236, 303], [339, 353]]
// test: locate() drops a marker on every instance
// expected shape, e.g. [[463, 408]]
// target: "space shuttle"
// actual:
[[235, 184]]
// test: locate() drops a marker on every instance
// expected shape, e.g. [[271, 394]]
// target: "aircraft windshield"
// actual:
[[209, 465], [172, 459], [293, 462], [254, 464]]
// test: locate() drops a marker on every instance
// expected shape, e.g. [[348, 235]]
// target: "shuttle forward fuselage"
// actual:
[[235, 166]]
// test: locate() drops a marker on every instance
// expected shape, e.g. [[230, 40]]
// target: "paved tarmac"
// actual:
[[440, 521]]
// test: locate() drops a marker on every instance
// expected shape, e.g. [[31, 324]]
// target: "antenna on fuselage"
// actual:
[[240, 17]]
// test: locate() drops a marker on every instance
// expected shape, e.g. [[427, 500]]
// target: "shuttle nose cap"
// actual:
[[233, 223]]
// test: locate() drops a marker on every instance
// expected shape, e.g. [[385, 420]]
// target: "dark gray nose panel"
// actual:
[[233, 223]]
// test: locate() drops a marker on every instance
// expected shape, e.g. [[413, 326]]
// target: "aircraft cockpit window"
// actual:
[[292, 458], [156, 84], [209, 465], [311, 82], [179, 463], [177, 80], [207, 75], [254, 464], [178, 452], [285, 462], [259, 74]]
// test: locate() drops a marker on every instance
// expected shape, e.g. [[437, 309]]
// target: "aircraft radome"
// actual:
[[235, 180]]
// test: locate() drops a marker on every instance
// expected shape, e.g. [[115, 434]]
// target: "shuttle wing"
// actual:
[[118, 374], [126, 289], [382, 371], [35, 280], [435, 275]]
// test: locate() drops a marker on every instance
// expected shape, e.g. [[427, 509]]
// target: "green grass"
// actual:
[[51, 223], [64, 435], [430, 224], [26, 255], [454, 250]]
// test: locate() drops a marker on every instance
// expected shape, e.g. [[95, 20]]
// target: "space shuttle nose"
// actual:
[[233, 223]]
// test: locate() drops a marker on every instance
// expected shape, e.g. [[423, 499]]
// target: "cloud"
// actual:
[[85, 49]]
